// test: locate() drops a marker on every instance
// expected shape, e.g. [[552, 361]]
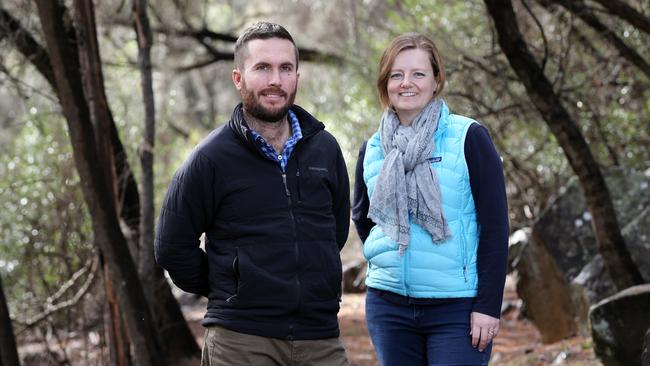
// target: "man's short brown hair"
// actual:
[[260, 30]]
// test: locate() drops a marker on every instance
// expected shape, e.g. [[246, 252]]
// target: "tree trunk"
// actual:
[[117, 339], [91, 165], [143, 34], [178, 340], [8, 351], [93, 79], [606, 228]]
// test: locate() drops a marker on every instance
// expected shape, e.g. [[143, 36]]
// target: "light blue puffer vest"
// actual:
[[427, 269]]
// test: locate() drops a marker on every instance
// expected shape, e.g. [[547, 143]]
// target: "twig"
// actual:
[[50, 308]]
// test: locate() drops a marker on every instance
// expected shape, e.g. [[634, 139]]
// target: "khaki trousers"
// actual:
[[225, 347]]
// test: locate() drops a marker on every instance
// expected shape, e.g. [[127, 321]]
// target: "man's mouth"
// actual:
[[273, 94]]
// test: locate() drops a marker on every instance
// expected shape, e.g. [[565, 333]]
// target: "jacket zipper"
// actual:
[[405, 271], [295, 241], [286, 190], [464, 250]]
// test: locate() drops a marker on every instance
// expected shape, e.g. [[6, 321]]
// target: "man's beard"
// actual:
[[253, 106]]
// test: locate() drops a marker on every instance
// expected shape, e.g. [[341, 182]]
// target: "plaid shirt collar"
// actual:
[[289, 145]]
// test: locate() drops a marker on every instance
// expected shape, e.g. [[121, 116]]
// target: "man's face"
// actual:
[[269, 78]]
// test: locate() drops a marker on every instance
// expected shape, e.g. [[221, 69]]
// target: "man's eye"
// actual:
[[287, 68]]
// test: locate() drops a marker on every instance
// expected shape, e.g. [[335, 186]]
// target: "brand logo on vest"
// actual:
[[436, 159]]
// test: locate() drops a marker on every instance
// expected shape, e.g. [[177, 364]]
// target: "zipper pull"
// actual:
[[465, 273], [286, 188]]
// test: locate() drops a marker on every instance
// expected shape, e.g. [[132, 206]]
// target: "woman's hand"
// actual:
[[483, 329]]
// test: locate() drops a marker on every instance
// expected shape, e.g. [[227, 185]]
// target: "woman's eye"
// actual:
[[396, 76], [419, 75]]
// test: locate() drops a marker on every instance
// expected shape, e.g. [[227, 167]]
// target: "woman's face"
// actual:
[[411, 84]]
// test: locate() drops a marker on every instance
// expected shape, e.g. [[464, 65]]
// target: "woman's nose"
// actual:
[[406, 82]]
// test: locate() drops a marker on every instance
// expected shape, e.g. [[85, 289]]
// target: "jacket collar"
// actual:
[[309, 125], [443, 121]]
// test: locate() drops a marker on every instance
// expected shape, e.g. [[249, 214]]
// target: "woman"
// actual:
[[432, 183]]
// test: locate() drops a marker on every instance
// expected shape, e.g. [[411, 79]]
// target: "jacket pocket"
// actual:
[[265, 273], [314, 187], [322, 280], [235, 271], [223, 275]]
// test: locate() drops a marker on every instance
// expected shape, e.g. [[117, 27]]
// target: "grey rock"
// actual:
[[637, 238], [618, 326], [516, 242], [590, 286], [354, 276], [594, 280], [560, 268]]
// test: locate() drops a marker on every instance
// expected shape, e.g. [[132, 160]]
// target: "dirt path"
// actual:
[[518, 344]]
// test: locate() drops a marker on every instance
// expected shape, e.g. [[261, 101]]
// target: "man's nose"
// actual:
[[274, 77]]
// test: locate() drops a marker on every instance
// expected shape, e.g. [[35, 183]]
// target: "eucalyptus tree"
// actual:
[[88, 121], [97, 148], [550, 106]]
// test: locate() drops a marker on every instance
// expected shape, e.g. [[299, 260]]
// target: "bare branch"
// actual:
[[205, 35], [627, 13], [51, 308], [578, 8], [541, 31], [10, 27]]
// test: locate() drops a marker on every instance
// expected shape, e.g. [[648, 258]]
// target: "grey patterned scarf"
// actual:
[[408, 184]]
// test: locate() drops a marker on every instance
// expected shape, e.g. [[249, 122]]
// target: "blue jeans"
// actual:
[[404, 332]]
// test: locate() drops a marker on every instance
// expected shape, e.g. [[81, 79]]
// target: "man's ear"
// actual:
[[236, 78]]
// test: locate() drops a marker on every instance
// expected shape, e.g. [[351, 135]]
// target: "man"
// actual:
[[271, 193]]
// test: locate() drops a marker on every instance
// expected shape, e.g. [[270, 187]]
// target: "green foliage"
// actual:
[[45, 225], [346, 103]]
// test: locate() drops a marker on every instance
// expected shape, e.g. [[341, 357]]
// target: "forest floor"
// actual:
[[518, 344]]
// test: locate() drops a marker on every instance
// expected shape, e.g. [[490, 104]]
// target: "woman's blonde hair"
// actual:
[[406, 42]]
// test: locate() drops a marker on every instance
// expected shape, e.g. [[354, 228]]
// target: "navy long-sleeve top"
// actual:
[[488, 191]]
